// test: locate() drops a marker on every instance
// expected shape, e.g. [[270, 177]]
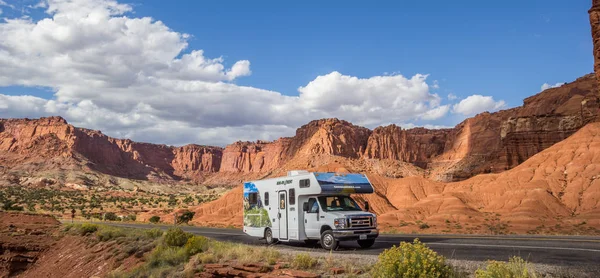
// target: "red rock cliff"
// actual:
[[54, 137], [418, 145]]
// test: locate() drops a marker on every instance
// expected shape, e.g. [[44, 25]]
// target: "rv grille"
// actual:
[[361, 222]]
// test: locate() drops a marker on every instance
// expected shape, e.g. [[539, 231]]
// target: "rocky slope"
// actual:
[[23, 239]]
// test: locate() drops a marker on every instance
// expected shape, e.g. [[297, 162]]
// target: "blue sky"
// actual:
[[506, 49], [502, 49]]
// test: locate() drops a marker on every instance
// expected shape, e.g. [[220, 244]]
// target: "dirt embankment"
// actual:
[[32, 245], [23, 239]]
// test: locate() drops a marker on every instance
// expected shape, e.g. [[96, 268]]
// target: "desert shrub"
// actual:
[[111, 216], [515, 268], [185, 217], [153, 233], [207, 258], [410, 260], [131, 217], [86, 228], [106, 233], [154, 219], [196, 244], [304, 261], [176, 237], [165, 255]]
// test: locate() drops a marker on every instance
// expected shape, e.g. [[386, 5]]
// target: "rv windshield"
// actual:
[[338, 203]]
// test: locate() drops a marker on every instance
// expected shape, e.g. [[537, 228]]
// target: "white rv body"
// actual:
[[278, 205]]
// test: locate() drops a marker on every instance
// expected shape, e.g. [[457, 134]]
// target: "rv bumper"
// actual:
[[355, 234]]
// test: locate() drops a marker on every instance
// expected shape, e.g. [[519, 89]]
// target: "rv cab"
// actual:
[[310, 207]]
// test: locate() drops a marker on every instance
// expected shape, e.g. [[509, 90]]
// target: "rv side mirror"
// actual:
[[366, 206], [305, 206]]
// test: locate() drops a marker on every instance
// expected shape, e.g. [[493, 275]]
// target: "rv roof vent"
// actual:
[[296, 172]]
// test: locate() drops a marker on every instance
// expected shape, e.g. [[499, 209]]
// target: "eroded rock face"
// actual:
[[247, 157], [23, 140], [418, 145], [595, 24], [330, 136], [23, 238]]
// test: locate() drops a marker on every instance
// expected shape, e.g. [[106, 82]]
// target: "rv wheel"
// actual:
[[269, 237], [328, 242]]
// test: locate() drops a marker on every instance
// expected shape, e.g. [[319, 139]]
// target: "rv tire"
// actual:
[[366, 243], [328, 241], [269, 237]]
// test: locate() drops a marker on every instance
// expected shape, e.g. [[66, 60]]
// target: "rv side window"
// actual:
[[292, 197], [266, 198], [304, 183], [313, 205], [253, 198]]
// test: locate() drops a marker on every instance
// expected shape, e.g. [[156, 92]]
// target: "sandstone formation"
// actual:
[[595, 24]]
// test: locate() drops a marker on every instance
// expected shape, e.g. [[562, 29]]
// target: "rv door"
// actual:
[[312, 225], [283, 222]]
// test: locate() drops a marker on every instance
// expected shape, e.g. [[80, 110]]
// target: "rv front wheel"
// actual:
[[269, 237], [328, 242]]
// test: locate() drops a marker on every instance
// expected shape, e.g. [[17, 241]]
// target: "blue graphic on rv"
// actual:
[[344, 183], [255, 215]]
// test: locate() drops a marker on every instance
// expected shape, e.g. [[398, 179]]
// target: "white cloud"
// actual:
[[136, 78], [436, 113], [0, 11], [547, 86], [452, 96], [428, 126], [476, 104]]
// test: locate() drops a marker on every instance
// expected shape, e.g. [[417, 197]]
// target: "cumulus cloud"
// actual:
[[436, 113], [547, 86], [452, 96], [136, 78], [476, 104]]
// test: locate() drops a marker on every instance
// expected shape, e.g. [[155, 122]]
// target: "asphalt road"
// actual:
[[576, 251]]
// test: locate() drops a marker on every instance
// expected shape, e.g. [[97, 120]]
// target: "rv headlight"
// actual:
[[374, 221], [339, 223]]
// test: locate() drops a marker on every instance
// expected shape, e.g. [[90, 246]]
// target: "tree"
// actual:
[[185, 216], [154, 219]]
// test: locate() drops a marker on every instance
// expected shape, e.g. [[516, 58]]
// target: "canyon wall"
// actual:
[[594, 13]]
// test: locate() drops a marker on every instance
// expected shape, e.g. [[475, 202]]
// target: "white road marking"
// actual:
[[504, 246]]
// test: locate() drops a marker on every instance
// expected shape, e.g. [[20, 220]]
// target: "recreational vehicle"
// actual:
[[311, 207]]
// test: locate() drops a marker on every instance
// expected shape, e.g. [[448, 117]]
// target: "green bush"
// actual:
[[515, 268], [154, 233], [111, 216], [170, 256], [304, 261], [410, 260], [131, 217], [108, 233], [185, 217], [88, 229], [154, 219], [196, 244], [176, 237]]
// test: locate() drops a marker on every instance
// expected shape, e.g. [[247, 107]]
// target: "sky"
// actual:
[[215, 72]]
